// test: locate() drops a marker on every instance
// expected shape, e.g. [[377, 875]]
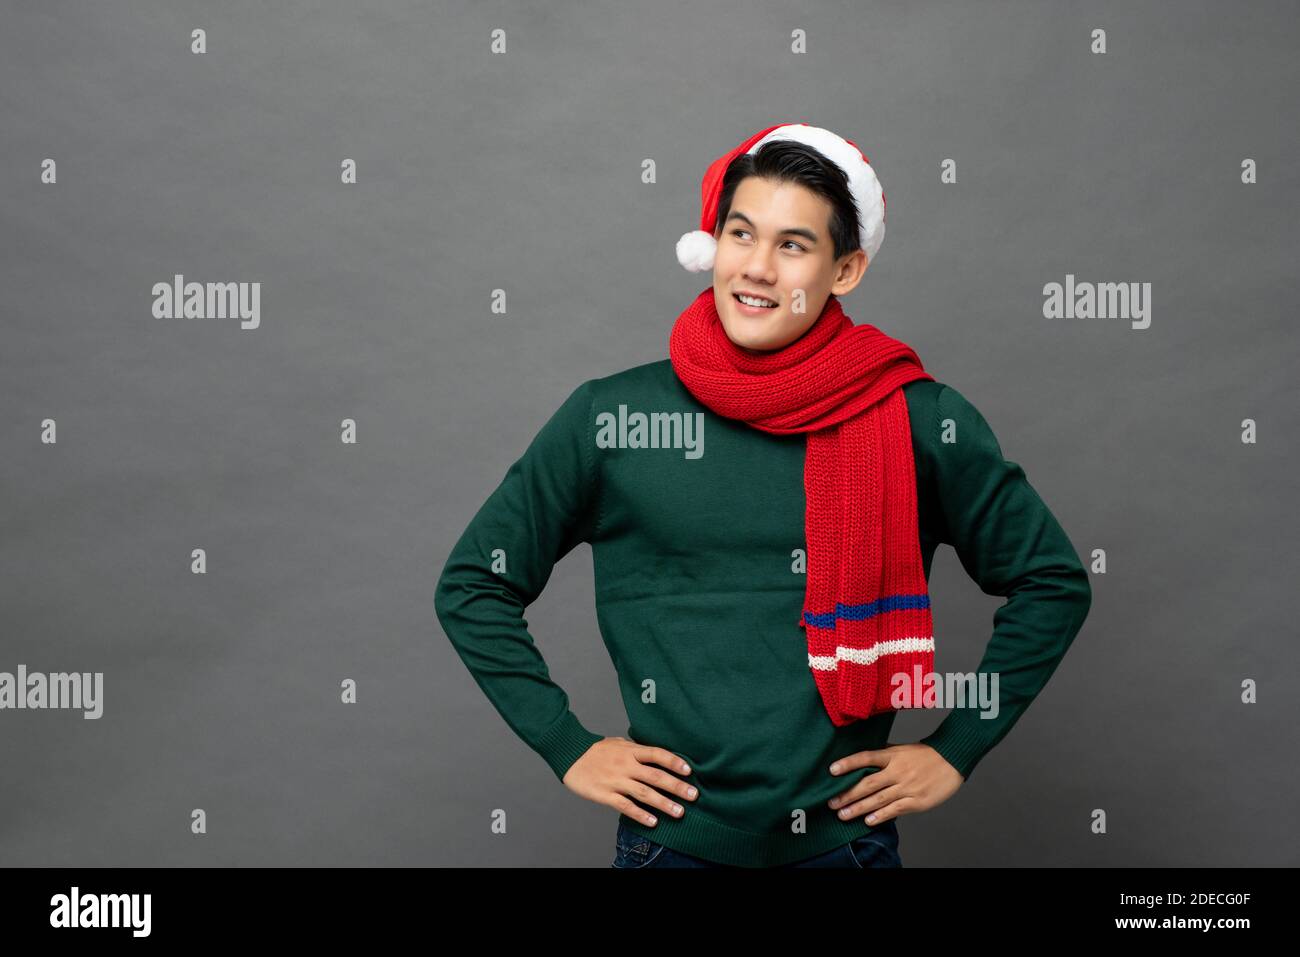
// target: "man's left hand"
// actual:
[[912, 777]]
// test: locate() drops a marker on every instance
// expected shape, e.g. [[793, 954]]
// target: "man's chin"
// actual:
[[753, 329], [752, 343]]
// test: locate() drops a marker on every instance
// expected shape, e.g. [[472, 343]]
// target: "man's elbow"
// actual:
[[1080, 585], [447, 597]]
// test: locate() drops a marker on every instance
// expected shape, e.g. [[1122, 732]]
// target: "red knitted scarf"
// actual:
[[866, 608]]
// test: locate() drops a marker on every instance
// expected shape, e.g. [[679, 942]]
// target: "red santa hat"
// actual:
[[696, 249]]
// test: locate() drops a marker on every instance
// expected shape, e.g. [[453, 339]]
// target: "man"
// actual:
[[763, 595]]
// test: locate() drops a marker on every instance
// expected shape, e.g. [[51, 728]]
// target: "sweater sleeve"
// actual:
[[543, 508], [1011, 545]]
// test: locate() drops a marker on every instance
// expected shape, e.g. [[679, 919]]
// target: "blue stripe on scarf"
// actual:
[[861, 612]]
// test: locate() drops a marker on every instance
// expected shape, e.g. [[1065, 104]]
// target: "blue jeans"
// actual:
[[876, 849]]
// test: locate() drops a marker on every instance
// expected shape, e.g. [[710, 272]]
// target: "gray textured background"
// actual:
[[522, 171]]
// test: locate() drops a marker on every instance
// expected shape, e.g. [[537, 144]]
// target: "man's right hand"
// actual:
[[614, 770]]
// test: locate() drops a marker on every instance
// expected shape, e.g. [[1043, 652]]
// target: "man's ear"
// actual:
[[850, 272]]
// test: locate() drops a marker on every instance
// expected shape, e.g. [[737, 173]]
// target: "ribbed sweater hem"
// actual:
[[963, 738], [565, 742]]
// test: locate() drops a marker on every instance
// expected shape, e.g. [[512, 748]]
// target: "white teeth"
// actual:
[[750, 301]]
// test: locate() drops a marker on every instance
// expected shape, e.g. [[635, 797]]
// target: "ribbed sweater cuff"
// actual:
[[565, 742], [963, 738]]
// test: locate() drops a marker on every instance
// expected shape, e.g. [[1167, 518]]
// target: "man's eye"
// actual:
[[791, 242]]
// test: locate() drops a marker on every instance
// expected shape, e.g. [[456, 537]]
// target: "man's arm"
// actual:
[[545, 506], [1010, 544]]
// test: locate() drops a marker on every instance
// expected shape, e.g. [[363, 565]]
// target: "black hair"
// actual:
[[791, 162]]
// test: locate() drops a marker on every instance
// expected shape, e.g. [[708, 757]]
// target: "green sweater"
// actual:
[[699, 590]]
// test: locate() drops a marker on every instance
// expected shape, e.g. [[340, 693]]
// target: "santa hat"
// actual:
[[696, 249]]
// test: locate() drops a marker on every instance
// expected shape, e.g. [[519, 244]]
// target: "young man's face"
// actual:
[[775, 243]]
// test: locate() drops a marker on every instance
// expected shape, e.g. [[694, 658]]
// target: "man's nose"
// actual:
[[758, 267]]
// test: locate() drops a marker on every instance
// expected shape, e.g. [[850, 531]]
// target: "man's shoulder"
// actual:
[[655, 371], [648, 381], [923, 390], [923, 397], [948, 429], [931, 407], [934, 401]]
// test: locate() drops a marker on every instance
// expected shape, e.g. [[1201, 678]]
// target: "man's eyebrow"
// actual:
[[807, 234]]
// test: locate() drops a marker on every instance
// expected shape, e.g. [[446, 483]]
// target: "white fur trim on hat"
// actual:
[[696, 249]]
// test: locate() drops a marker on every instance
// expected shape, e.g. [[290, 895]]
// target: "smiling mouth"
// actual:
[[736, 297]]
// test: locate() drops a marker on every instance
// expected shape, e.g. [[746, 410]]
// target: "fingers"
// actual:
[[860, 759], [631, 810], [889, 797], [891, 811], [664, 781], [648, 795], [641, 774], [867, 786], [661, 756]]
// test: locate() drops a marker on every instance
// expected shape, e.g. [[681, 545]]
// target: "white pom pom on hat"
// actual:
[[696, 250]]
